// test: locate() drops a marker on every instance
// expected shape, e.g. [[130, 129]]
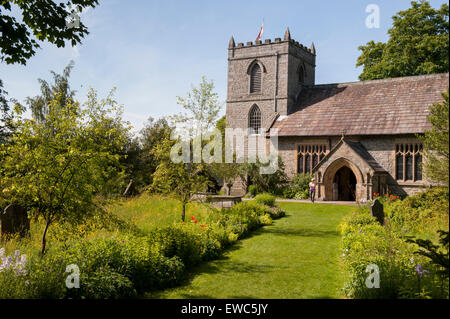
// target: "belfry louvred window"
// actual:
[[408, 162], [254, 120], [255, 79]]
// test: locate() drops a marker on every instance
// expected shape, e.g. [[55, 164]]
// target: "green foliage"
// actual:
[[270, 183], [143, 161], [253, 190], [224, 173], [55, 168], [436, 142], [128, 263], [60, 89], [418, 44], [438, 254], [303, 194], [5, 117], [298, 186], [265, 199], [404, 273], [202, 109], [182, 180], [47, 21], [420, 215]]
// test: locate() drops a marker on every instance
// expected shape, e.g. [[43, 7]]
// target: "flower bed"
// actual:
[[402, 272], [130, 263]]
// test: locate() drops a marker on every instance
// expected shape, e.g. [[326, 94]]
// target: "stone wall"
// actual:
[[381, 148]]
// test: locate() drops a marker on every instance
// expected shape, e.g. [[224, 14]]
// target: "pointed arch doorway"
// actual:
[[344, 184]]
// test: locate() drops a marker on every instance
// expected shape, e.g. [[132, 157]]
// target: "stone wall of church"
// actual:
[[381, 148]]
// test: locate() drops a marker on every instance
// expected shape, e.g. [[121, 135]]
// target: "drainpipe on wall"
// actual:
[[275, 91]]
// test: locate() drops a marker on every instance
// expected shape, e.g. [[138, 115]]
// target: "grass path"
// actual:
[[296, 257]]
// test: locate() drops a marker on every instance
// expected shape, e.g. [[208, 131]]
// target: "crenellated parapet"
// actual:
[[287, 39]]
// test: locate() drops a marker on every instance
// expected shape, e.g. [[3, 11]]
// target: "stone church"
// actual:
[[357, 138]]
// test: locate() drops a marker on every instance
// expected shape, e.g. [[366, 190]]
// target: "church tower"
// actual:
[[265, 79]]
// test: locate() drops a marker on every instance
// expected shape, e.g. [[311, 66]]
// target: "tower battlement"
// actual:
[[287, 39]]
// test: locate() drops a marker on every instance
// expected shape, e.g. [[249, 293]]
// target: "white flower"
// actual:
[[2, 252], [17, 253]]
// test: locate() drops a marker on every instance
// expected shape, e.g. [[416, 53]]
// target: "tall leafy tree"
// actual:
[[201, 107], [436, 143], [418, 44], [42, 20], [39, 105], [153, 133], [5, 116], [55, 168]]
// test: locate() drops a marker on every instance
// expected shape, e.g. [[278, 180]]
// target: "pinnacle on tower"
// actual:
[[313, 48], [287, 35], [231, 44]]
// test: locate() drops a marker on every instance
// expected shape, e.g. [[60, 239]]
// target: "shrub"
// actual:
[[304, 194], [265, 199], [298, 186], [131, 262], [265, 219], [253, 190], [403, 273]]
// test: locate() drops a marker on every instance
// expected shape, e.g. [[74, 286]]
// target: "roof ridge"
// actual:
[[400, 78]]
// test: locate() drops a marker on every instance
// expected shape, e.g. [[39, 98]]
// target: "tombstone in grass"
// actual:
[[376, 210], [14, 220]]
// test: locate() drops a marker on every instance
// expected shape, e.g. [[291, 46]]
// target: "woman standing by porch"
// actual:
[[312, 190]]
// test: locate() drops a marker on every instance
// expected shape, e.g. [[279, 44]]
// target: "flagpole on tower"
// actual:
[[261, 31]]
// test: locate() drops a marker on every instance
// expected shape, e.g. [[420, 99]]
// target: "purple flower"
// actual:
[[420, 271]]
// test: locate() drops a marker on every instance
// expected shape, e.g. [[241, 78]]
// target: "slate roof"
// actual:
[[378, 107]]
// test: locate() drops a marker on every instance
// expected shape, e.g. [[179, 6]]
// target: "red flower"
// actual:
[[192, 217], [196, 221], [203, 226]]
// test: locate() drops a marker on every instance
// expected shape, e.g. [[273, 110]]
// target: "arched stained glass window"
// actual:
[[254, 120]]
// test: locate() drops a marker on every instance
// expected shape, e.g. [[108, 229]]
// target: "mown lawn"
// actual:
[[296, 257]]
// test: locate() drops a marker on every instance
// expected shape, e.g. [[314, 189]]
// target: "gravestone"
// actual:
[[376, 210], [14, 220]]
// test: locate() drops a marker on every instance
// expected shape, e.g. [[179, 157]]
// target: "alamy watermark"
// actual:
[[260, 148], [373, 280], [73, 279], [373, 19], [73, 20]]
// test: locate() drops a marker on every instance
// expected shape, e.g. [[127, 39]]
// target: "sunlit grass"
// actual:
[[142, 213], [296, 257], [149, 211]]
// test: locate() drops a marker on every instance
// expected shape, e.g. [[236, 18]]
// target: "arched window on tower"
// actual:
[[255, 79], [254, 120], [301, 75]]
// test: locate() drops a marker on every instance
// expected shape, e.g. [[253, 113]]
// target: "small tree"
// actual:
[[55, 169], [202, 109], [181, 180], [224, 172], [436, 142]]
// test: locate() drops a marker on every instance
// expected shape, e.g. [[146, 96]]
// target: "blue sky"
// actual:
[[153, 51]]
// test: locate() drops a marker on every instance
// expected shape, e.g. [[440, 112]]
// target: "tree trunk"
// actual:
[[43, 237], [183, 212]]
